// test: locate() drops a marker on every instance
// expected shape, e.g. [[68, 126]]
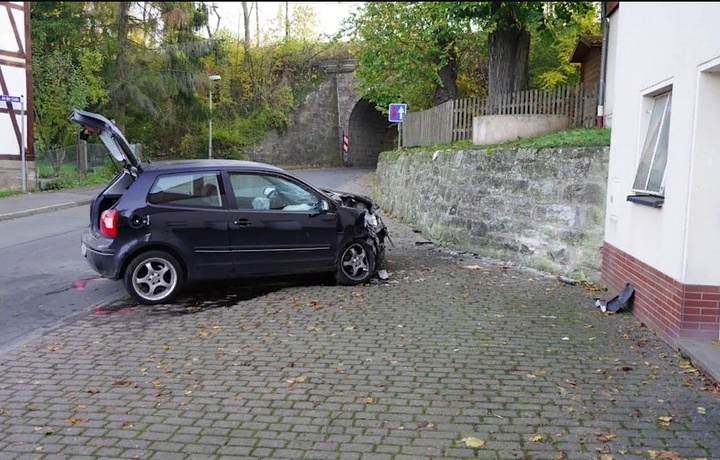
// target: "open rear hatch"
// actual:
[[109, 134], [119, 149]]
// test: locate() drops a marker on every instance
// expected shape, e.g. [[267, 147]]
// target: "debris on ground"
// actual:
[[619, 302]]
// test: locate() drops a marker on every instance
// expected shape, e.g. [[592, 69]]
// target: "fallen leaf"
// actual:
[[74, 420], [664, 455], [45, 429], [473, 442], [665, 420], [701, 410], [605, 457], [368, 400], [536, 439], [604, 437], [298, 379]]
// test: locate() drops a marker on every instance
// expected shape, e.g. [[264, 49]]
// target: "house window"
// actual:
[[650, 176]]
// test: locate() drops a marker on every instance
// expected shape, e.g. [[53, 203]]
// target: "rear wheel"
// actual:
[[154, 277], [356, 264]]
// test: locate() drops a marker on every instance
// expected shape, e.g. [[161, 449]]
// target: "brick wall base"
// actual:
[[673, 310]]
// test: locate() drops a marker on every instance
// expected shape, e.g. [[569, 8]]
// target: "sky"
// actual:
[[329, 14]]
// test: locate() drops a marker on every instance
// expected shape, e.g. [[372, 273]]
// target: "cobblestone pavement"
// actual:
[[451, 357]]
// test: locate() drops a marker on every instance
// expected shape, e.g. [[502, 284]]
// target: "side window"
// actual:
[[187, 189], [650, 175], [265, 191]]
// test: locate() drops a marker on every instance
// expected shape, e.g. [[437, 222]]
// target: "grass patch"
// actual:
[[578, 137], [69, 177], [4, 193]]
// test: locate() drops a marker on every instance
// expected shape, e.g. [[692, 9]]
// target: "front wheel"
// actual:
[[154, 277], [356, 264]]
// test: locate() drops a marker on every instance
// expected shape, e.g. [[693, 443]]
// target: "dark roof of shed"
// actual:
[[584, 45]]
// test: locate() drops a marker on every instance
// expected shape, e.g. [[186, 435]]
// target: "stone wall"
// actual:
[[538, 208], [315, 131], [312, 136], [11, 175]]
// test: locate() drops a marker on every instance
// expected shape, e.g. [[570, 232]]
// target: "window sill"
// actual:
[[647, 200]]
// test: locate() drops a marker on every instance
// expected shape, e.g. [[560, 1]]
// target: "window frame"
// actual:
[[655, 147], [192, 197]]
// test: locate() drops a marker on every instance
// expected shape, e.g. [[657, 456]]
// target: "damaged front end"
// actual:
[[369, 219]]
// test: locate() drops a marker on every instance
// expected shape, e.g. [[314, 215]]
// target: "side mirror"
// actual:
[[321, 207]]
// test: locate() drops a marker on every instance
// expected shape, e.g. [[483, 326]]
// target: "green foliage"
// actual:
[[66, 70], [403, 46], [578, 137], [4, 193], [69, 177], [552, 48]]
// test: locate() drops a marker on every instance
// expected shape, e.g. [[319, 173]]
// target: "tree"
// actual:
[[552, 47], [409, 51], [67, 64], [510, 25]]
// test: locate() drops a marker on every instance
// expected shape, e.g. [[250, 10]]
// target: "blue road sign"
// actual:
[[5, 98], [396, 112]]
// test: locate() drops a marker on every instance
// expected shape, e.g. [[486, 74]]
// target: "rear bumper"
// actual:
[[99, 255]]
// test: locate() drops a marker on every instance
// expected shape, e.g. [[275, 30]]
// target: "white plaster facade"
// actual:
[[15, 83], [653, 47]]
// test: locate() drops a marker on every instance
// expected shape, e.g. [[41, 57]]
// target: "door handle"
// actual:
[[241, 222]]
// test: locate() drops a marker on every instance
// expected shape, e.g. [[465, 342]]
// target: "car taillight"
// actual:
[[108, 223]]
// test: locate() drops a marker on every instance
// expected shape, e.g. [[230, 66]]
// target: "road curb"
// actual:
[[43, 209]]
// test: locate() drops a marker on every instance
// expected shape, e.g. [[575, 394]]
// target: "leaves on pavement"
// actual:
[[473, 442]]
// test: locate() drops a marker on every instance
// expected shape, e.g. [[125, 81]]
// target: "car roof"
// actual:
[[242, 165]]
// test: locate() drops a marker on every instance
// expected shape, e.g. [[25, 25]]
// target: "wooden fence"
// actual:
[[453, 120]]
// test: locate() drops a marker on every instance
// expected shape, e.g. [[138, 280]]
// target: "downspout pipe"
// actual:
[[600, 121]]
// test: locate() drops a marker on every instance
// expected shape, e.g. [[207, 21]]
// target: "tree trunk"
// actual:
[[123, 24], [509, 51], [447, 90], [246, 23], [287, 21]]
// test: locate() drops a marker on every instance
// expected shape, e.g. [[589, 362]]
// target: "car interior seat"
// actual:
[[210, 194]]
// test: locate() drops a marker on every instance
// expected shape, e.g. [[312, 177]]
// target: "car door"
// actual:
[[277, 227], [189, 211]]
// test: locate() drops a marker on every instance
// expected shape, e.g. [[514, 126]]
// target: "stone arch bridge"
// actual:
[[334, 111]]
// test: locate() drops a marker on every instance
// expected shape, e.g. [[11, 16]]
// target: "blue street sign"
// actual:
[[5, 98], [396, 112]]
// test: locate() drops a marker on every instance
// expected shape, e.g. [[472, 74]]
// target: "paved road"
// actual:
[[46, 282], [451, 357]]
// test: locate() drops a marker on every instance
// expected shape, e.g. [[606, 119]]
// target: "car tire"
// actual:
[[154, 277], [356, 264]]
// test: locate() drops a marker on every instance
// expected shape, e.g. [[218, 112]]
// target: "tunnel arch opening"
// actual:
[[369, 133]]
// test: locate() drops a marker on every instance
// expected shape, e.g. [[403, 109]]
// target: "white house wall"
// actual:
[[658, 46], [610, 71], [13, 76]]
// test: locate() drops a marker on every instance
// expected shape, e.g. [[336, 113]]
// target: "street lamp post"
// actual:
[[212, 78]]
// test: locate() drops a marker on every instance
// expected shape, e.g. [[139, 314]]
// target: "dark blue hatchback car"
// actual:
[[158, 226]]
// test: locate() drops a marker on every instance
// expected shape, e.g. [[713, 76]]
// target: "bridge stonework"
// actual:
[[314, 135]]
